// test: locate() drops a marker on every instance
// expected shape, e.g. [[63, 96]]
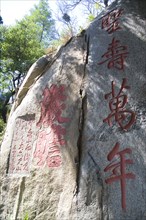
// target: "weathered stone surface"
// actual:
[[64, 127], [48, 115]]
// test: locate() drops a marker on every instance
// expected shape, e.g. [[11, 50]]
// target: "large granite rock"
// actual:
[[75, 143]]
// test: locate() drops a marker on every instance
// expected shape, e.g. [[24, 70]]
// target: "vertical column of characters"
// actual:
[[14, 148], [27, 150], [21, 149], [51, 134], [114, 58]]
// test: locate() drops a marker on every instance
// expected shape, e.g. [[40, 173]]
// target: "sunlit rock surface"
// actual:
[[75, 143]]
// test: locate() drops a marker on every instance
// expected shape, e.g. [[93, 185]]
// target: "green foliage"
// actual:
[[22, 44], [20, 48], [2, 129], [98, 6], [26, 217], [64, 37], [41, 16], [2, 124], [91, 17]]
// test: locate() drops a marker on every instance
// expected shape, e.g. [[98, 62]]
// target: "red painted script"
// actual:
[[52, 105], [125, 118], [110, 22], [21, 150], [51, 135], [118, 170], [48, 146], [115, 55]]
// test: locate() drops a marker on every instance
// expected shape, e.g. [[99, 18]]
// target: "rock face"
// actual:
[[75, 143]]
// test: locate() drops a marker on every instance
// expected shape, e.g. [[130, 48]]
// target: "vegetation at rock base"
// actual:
[[26, 217]]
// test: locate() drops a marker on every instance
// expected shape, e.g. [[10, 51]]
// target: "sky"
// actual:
[[12, 10]]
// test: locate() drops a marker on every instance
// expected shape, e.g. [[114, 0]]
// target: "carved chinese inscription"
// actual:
[[52, 133], [125, 118], [52, 105], [118, 170], [115, 55], [114, 58], [110, 22], [48, 146], [21, 150]]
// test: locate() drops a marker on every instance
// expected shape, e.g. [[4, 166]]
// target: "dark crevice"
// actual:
[[79, 144], [81, 92], [87, 42], [68, 42], [83, 110], [8, 162]]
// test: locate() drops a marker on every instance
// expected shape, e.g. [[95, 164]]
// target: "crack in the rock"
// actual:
[[82, 124], [82, 113], [87, 41], [8, 162], [79, 144]]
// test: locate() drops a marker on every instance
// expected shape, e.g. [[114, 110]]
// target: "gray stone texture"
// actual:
[[76, 188]]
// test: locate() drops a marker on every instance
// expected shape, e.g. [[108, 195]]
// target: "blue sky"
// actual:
[[11, 10]]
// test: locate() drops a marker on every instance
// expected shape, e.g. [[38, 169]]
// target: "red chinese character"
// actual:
[[110, 21], [20, 148], [58, 133], [18, 169], [29, 135], [25, 166], [119, 170], [29, 123], [11, 167], [41, 150], [52, 105], [26, 156], [28, 148], [13, 151], [49, 142], [54, 161], [18, 124], [54, 149], [115, 55], [125, 118], [19, 160]]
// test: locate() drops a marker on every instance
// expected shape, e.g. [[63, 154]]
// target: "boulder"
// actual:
[[75, 142]]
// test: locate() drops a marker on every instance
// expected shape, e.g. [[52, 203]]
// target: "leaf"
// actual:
[[91, 17], [97, 6]]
